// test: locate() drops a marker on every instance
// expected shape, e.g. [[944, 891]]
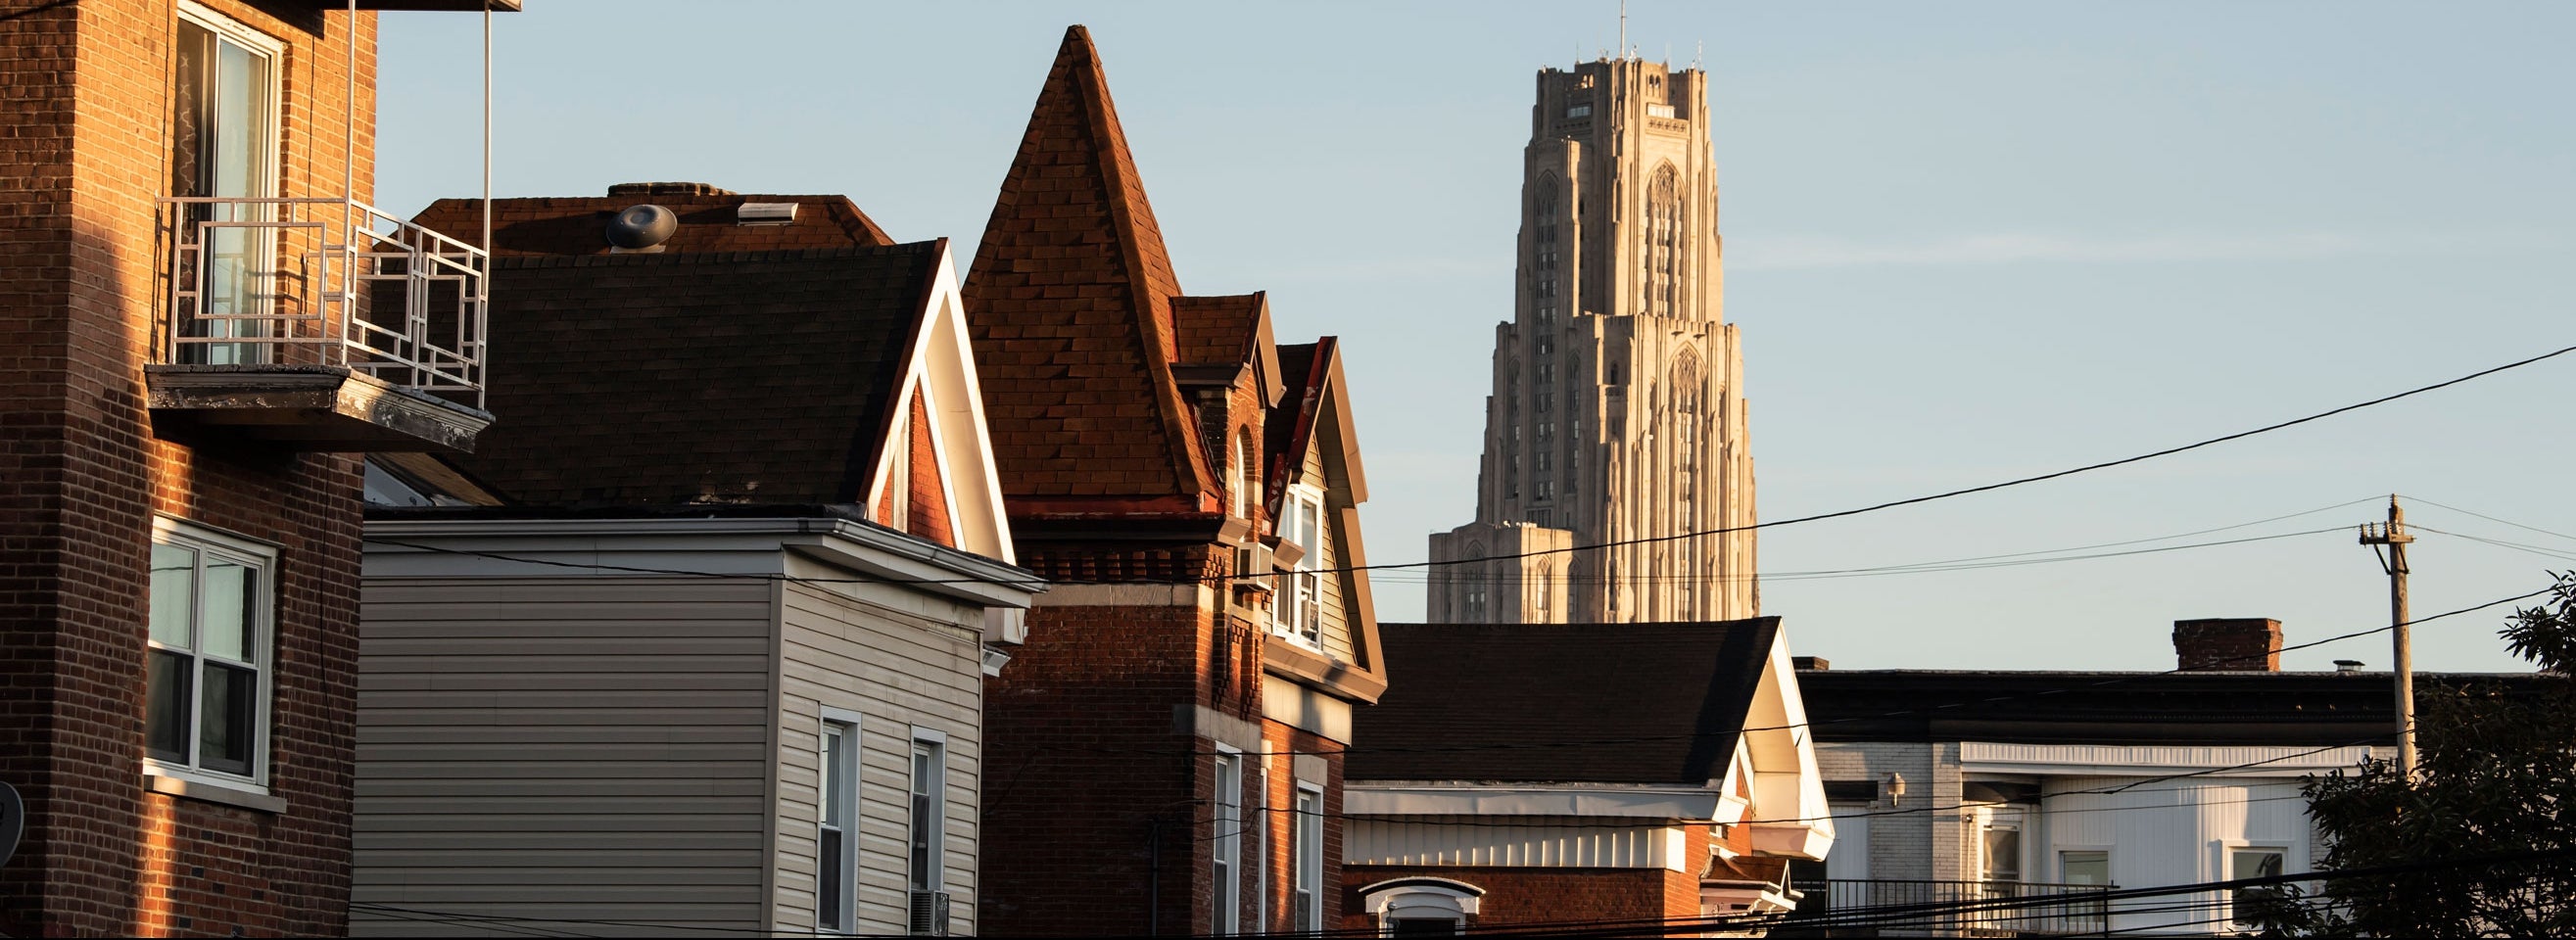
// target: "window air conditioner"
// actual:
[[929, 914]]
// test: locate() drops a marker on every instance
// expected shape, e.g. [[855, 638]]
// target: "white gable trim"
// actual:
[[941, 367]]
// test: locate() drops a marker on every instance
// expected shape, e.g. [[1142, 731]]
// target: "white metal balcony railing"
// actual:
[[322, 282]]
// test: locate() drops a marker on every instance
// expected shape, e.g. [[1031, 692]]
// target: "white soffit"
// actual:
[[1466, 799]]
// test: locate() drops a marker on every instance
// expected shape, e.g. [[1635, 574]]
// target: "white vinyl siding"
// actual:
[[899, 659], [581, 748], [1330, 555]]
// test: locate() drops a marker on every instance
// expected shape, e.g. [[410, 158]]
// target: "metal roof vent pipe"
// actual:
[[641, 228]]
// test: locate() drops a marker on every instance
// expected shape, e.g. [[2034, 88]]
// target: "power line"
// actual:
[[1643, 540], [1900, 713]]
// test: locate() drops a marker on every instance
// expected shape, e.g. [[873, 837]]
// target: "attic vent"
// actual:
[[642, 227], [765, 213], [667, 189]]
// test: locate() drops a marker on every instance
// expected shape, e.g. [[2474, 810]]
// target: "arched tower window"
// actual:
[[1686, 465], [1546, 573], [1547, 242], [1662, 277]]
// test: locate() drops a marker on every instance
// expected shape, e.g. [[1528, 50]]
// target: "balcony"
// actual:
[[1838, 908], [316, 324]]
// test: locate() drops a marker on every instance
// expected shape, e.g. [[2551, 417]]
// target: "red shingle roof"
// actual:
[[1070, 303], [577, 225], [1216, 330], [662, 379]]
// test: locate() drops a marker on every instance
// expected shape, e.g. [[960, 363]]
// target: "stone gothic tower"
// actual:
[[1617, 416]]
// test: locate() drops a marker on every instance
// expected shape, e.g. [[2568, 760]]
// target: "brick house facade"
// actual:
[[213, 798], [1170, 734]]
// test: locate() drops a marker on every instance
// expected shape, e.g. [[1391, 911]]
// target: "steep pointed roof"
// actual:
[[1070, 303]]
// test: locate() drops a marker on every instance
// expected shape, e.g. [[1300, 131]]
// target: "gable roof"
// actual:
[[1650, 702], [1216, 329], [577, 225], [1298, 419], [1070, 301], [692, 378]]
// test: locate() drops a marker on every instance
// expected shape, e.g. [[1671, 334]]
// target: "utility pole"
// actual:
[[2394, 535]]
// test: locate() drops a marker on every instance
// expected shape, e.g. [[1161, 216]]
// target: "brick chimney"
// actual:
[[2227, 644]]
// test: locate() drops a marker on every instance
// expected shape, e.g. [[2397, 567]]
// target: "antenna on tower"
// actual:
[[1623, 28], [1699, 53]]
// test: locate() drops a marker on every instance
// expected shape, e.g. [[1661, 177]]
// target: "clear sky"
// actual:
[[1965, 242]]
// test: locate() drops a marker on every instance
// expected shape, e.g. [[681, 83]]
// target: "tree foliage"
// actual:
[[2477, 846]]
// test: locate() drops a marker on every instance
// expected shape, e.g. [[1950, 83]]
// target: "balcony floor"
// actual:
[[313, 408]]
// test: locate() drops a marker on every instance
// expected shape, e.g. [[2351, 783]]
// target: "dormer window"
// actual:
[[1301, 615]]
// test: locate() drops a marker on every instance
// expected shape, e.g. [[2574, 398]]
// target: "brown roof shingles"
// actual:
[[578, 225], [1069, 302], [1561, 703], [662, 379], [1216, 330]]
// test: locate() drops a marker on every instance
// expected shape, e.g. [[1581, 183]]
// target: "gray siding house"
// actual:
[[699, 644]]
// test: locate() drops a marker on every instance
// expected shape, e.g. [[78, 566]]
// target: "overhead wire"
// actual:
[[1616, 543]]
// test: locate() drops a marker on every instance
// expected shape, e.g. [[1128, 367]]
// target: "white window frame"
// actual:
[[1225, 842], [847, 723], [935, 744], [1307, 837], [2227, 861], [2059, 874], [261, 558], [1302, 600]]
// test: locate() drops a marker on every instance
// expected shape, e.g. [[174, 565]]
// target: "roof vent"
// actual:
[[2347, 665], [764, 213], [642, 227], [667, 189]]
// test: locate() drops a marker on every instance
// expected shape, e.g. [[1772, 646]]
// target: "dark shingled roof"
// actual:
[[578, 225], [1664, 701], [1070, 303], [2169, 708], [655, 379]]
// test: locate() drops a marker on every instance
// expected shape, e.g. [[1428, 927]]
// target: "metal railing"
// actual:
[[322, 282], [1949, 909]]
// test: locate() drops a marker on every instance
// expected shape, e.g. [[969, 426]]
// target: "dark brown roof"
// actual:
[[1638, 702], [577, 225], [1216, 330], [1070, 304], [654, 379], [2174, 708]]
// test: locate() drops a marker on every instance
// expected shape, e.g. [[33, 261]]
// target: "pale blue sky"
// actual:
[[1965, 242]]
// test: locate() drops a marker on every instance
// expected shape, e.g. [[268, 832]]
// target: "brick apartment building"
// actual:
[[1165, 749], [201, 323]]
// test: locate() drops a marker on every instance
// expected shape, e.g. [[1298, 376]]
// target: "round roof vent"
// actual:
[[642, 226]]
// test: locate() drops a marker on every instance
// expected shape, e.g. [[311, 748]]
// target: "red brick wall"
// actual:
[[84, 473], [1285, 742], [929, 509], [1543, 895], [1088, 787]]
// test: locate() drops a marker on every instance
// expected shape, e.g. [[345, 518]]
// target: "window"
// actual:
[[1308, 838], [1225, 860], [223, 144], [2002, 853], [929, 822], [1303, 619], [1423, 907], [1546, 576], [1546, 489], [1663, 243], [1472, 584], [2084, 867], [206, 674], [1244, 479], [2253, 862], [1578, 111], [836, 869]]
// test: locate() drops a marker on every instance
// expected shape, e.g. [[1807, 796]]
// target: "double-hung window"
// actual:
[[1225, 860], [836, 852], [2253, 862], [926, 836], [1304, 620], [207, 685], [1308, 839]]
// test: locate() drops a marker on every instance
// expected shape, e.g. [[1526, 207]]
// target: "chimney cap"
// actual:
[[2348, 665]]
